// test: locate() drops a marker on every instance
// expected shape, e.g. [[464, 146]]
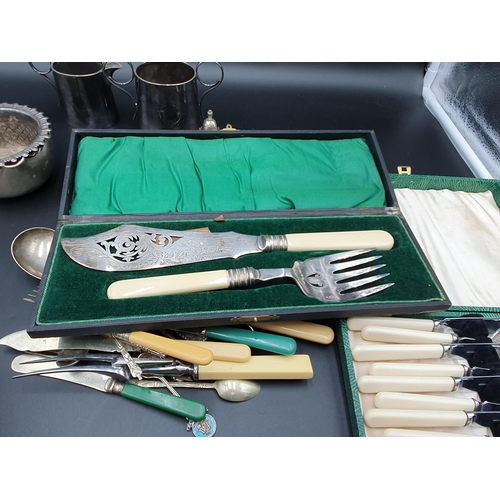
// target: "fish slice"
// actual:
[[21, 341], [131, 247], [197, 353], [323, 278]]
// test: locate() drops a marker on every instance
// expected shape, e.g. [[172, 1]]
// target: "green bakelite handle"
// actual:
[[164, 401], [277, 344]]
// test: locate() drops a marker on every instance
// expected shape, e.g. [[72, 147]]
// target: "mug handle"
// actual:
[[211, 86], [119, 85], [43, 73]]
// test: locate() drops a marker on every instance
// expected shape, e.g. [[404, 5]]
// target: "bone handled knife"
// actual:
[[131, 247], [376, 417], [418, 369], [221, 351], [175, 348], [410, 401], [405, 336], [305, 330], [395, 432]]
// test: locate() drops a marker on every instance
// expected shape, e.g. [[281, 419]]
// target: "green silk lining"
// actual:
[[133, 175]]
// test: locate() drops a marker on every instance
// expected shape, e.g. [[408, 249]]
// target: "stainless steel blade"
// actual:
[[21, 341], [130, 247], [94, 380]]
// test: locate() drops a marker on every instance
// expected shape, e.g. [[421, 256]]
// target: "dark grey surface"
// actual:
[[267, 96]]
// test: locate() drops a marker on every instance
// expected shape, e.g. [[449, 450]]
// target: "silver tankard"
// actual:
[[84, 92], [167, 94]]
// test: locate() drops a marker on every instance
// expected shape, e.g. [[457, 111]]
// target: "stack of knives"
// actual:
[[136, 364], [421, 377]]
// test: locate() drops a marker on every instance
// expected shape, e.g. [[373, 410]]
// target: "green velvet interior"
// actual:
[[77, 294], [139, 175]]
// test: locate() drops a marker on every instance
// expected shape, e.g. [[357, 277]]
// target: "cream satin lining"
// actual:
[[459, 233]]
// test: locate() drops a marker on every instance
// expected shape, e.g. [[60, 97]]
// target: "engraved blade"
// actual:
[[130, 247], [21, 341]]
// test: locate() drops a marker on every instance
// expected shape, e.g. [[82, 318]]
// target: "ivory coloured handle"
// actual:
[[223, 351], [172, 347], [418, 369], [356, 324], [267, 367], [397, 352], [404, 336], [340, 240], [414, 418], [409, 401], [169, 285], [371, 384], [314, 332], [420, 433]]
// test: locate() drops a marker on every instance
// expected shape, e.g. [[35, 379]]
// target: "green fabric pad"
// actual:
[[134, 175], [76, 294]]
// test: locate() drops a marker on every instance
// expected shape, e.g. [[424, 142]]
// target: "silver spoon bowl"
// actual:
[[30, 249]]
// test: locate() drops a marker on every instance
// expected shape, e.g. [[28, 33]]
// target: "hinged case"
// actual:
[[357, 402], [72, 299]]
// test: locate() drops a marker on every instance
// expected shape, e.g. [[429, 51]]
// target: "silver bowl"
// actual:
[[26, 157]]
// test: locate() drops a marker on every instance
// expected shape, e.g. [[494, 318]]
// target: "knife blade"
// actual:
[[410, 401], [376, 417], [464, 325], [371, 384], [183, 407], [130, 247], [21, 341]]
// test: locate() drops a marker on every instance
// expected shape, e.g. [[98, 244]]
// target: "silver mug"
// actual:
[[167, 95], [84, 92]]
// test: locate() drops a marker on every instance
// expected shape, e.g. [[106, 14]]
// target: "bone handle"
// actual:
[[321, 334], [409, 401], [418, 369], [169, 285], [356, 324], [397, 352], [414, 418], [171, 347], [267, 367], [342, 240], [404, 336], [371, 384], [223, 351], [420, 433]]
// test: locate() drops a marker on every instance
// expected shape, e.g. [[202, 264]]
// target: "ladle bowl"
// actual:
[[30, 249]]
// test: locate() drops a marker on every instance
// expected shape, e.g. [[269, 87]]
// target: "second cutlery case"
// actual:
[[250, 182], [465, 259]]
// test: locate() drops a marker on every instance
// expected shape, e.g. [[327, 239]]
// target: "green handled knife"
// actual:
[[183, 407], [277, 344]]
